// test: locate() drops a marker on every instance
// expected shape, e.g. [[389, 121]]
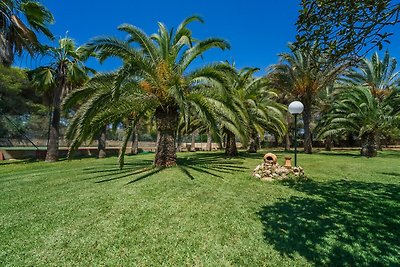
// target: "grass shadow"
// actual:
[[341, 223], [149, 173], [214, 164]]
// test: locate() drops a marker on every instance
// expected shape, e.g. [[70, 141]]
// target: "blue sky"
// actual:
[[257, 30]]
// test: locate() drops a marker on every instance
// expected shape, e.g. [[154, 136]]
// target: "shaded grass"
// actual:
[[208, 211]]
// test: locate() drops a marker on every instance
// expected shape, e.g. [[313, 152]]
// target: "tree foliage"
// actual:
[[66, 71], [303, 75], [346, 29], [154, 78], [20, 21], [358, 111], [18, 102]]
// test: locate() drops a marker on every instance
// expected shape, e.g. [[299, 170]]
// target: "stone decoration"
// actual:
[[270, 169]]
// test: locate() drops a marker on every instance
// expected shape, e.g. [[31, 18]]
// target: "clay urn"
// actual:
[[288, 162], [270, 158]]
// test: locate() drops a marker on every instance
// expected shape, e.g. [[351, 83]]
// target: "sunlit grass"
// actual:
[[208, 211]]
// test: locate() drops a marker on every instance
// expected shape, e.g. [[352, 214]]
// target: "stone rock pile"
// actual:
[[270, 169]]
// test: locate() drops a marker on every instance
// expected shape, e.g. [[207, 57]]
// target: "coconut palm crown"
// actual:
[[154, 77]]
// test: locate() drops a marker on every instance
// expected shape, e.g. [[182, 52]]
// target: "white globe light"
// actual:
[[296, 107]]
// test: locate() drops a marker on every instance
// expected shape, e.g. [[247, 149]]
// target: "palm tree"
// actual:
[[256, 107], [379, 76], [65, 72], [154, 77], [359, 111], [20, 21], [300, 75]]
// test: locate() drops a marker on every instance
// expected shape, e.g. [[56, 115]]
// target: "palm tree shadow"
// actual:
[[149, 173], [213, 164], [342, 223], [115, 173]]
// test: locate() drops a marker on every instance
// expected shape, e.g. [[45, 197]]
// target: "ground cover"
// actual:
[[208, 211]]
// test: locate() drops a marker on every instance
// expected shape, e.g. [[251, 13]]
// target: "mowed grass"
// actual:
[[209, 211]]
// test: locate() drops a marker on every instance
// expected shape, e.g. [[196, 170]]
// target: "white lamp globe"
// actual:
[[296, 107]]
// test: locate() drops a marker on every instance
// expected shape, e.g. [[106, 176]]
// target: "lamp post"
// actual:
[[295, 108]]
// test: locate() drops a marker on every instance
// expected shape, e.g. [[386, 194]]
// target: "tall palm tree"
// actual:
[[154, 77], [300, 74], [65, 72], [359, 111], [20, 21]]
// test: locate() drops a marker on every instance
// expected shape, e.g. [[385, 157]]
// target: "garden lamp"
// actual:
[[295, 108]]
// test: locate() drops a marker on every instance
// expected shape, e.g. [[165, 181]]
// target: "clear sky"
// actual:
[[256, 29]]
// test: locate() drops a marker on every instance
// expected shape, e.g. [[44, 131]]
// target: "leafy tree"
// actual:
[[302, 76], [345, 29], [359, 111], [18, 101], [65, 72], [154, 77], [20, 21]]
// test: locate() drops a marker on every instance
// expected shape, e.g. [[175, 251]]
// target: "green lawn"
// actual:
[[207, 212]]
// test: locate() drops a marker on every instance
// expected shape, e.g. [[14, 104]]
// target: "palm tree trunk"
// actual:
[[328, 143], [7, 54], [230, 149], [254, 141], [101, 146], [307, 129], [378, 141], [193, 142], [369, 148], [167, 123], [135, 141], [209, 142], [287, 141], [54, 133]]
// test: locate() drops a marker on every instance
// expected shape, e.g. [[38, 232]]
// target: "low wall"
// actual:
[[21, 153]]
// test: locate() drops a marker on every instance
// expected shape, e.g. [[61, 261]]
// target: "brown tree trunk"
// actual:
[[307, 129], [101, 143], [254, 142], [54, 133], [230, 149], [167, 123], [7, 57], [369, 148], [209, 142], [193, 142], [378, 141], [53, 144], [287, 141], [328, 143], [135, 141]]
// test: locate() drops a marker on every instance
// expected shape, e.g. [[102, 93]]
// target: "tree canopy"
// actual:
[[346, 29]]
